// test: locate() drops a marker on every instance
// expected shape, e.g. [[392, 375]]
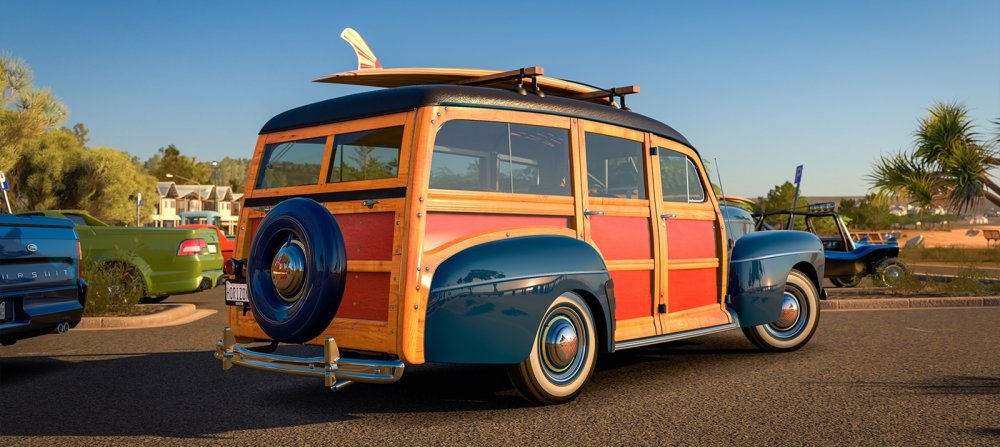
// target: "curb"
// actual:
[[909, 303], [176, 314]]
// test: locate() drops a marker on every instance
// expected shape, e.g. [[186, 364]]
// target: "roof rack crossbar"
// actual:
[[520, 73], [608, 95]]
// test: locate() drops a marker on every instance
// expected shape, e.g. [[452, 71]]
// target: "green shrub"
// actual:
[[115, 288], [906, 284], [970, 281]]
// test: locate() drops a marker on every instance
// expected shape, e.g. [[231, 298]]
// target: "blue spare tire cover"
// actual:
[[296, 271]]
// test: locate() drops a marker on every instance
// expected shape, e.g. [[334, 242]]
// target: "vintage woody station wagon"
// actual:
[[473, 216]]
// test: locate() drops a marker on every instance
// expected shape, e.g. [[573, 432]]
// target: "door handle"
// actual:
[[589, 213], [667, 216]]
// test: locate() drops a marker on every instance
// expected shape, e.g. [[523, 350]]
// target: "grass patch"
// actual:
[[970, 281], [955, 255], [115, 288]]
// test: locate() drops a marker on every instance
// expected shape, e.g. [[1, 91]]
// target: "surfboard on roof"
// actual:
[[371, 73]]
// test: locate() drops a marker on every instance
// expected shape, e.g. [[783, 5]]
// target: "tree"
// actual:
[[81, 131], [25, 112], [871, 212], [780, 198], [232, 172], [168, 160], [949, 163], [114, 181], [45, 170], [56, 171]]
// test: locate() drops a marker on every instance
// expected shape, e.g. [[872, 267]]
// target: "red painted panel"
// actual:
[[688, 289], [366, 297], [446, 227], [690, 239], [621, 237], [633, 295], [367, 236]]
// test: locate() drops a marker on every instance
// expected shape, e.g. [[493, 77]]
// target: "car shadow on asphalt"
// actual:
[[188, 395]]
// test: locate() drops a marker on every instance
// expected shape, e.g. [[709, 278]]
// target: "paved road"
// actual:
[[910, 377]]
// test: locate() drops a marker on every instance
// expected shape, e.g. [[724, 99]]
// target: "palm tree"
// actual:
[[949, 163]]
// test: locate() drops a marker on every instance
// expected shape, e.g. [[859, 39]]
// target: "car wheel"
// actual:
[[295, 271], [563, 355], [798, 321], [889, 270], [846, 281]]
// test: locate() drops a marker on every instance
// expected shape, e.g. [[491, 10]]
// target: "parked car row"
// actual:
[[45, 255]]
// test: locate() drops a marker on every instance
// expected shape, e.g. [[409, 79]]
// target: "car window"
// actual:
[[291, 163], [679, 177], [614, 167], [366, 155], [501, 157]]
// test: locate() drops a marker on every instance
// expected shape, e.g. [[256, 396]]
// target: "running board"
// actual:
[[628, 344]]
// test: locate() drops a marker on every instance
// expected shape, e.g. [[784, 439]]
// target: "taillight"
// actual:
[[79, 260], [235, 268], [191, 247]]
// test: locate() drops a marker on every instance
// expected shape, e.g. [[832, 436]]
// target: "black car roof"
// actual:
[[401, 99]]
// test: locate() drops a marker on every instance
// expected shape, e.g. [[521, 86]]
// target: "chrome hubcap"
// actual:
[[892, 272], [789, 312], [288, 271], [560, 344]]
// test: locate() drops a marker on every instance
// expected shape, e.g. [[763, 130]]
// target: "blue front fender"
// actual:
[[486, 302], [759, 267]]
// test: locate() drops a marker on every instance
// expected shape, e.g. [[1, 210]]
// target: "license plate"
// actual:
[[212, 249], [3, 311], [236, 294]]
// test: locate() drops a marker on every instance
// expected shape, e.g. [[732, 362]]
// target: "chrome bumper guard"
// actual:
[[336, 372]]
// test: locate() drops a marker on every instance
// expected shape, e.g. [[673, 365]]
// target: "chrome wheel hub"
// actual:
[[892, 272], [288, 271], [789, 312], [561, 344]]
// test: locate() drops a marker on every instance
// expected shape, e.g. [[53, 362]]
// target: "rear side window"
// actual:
[[366, 155], [614, 167], [680, 179], [291, 163], [501, 157]]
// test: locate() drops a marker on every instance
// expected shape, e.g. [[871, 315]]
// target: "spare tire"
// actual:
[[296, 271]]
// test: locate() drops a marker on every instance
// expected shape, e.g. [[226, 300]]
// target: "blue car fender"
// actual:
[[486, 302], [759, 266]]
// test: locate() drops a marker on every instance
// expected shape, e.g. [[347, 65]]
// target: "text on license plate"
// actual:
[[236, 294], [3, 311]]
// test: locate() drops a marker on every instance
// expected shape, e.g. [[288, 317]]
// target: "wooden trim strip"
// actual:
[[692, 264], [629, 264], [369, 266]]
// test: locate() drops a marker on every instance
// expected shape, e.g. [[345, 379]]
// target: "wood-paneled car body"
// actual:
[[487, 224]]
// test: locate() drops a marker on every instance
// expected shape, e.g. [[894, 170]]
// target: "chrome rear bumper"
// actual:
[[336, 372]]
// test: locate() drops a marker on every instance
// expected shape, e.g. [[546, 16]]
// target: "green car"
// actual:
[[170, 261]]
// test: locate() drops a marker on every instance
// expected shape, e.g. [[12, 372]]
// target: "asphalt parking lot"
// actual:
[[888, 377]]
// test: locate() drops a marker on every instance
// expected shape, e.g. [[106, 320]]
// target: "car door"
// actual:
[[616, 179], [693, 276]]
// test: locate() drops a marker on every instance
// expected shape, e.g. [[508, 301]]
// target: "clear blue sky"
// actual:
[[761, 86]]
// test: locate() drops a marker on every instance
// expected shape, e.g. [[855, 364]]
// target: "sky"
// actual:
[[758, 87]]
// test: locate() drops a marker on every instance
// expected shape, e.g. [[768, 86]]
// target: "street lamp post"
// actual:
[[182, 178]]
